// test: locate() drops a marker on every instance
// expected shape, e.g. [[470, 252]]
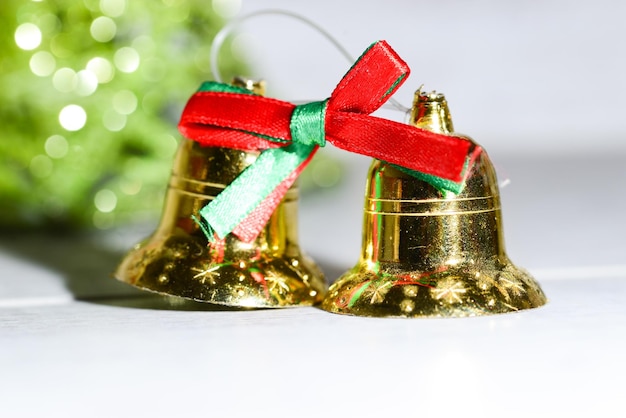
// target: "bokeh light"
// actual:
[[113, 121], [41, 166], [87, 83], [125, 102], [56, 146], [105, 200], [65, 80], [113, 8], [72, 117], [103, 29], [102, 69], [42, 63], [226, 8], [126, 59], [28, 36]]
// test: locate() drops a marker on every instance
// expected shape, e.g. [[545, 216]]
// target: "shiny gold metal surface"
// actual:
[[177, 260], [431, 254]]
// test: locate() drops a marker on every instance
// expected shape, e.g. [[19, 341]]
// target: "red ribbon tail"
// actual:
[[397, 143]]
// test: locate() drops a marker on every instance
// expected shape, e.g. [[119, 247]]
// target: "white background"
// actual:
[[532, 76]]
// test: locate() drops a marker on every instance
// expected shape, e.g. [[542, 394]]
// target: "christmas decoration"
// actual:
[[237, 171], [270, 272], [432, 252], [91, 91]]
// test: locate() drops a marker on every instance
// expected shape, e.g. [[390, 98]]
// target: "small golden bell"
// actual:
[[429, 253], [176, 260]]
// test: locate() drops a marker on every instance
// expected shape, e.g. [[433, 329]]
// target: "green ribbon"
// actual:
[[446, 187], [214, 86], [307, 124], [270, 169]]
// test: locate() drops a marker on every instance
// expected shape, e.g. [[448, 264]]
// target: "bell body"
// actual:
[[177, 260], [429, 253]]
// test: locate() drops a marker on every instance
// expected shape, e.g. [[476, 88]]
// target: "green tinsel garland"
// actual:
[[130, 66]]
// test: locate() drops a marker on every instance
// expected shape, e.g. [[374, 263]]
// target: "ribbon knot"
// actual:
[[307, 124], [288, 137]]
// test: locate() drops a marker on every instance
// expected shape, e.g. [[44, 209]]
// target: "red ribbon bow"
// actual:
[[220, 115]]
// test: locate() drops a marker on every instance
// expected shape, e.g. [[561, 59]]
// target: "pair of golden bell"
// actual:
[[424, 253]]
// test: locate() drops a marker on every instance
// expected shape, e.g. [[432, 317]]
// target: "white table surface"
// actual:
[[75, 343]]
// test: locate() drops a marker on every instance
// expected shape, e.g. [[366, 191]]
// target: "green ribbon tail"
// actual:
[[222, 215], [214, 86], [443, 185]]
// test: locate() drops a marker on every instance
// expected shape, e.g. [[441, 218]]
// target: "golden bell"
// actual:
[[427, 253], [177, 259]]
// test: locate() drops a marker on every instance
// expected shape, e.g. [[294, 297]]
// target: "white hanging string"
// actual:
[[227, 29], [221, 36]]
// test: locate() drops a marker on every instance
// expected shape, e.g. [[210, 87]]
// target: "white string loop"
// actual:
[[223, 33]]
